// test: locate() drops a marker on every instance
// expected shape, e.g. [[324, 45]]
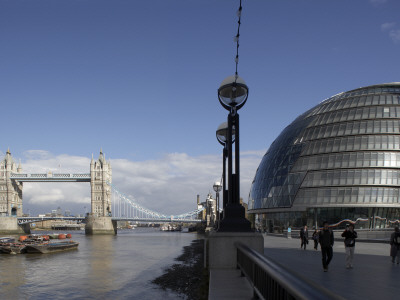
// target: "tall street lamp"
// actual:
[[232, 94], [217, 188]]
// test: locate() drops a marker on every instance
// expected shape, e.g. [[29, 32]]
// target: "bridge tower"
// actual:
[[100, 180], [99, 220], [10, 190], [10, 196]]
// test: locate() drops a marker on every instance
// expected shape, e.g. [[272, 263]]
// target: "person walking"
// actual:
[[395, 245], [326, 241], [304, 237], [349, 244], [315, 237]]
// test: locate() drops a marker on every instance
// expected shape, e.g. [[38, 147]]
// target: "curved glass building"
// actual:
[[339, 160]]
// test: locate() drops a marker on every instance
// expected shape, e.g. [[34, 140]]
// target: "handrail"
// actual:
[[272, 281]]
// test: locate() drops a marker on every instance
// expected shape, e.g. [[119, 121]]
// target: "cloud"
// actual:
[[37, 154], [169, 184], [387, 26], [50, 196], [395, 35]]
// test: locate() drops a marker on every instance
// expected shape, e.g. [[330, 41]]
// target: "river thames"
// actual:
[[103, 267]]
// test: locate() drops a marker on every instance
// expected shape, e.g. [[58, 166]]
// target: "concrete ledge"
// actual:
[[222, 250], [100, 225]]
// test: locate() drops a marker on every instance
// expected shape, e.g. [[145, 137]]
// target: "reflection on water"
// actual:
[[11, 277], [99, 264], [103, 267]]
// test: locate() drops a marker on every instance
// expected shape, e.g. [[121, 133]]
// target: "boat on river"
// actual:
[[13, 248], [36, 243], [7, 239], [50, 247], [9, 246]]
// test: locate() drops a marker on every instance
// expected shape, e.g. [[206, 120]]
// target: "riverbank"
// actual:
[[188, 278]]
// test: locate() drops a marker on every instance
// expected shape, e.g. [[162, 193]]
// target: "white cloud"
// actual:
[[37, 154], [387, 26], [168, 184], [48, 196], [395, 35]]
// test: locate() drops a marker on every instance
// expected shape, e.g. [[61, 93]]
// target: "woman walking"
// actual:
[[349, 242], [315, 237]]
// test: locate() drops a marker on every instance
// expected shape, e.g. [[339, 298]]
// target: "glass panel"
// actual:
[[370, 112], [347, 160]]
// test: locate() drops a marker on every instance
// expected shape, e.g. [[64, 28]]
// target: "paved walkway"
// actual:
[[229, 285], [373, 276]]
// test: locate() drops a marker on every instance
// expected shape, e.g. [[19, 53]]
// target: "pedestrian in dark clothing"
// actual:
[[326, 241], [304, 237], [315, 237], [395, 245], [349, 243]]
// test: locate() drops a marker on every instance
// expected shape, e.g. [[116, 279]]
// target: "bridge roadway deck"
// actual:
[[373, 276], [80, 219]]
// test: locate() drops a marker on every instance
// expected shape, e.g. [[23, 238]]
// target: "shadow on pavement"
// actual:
[[373, 276]]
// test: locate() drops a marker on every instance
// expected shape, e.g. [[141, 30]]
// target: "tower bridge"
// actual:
[[108, 204]]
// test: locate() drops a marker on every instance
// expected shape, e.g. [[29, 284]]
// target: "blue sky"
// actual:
[[140, 79]]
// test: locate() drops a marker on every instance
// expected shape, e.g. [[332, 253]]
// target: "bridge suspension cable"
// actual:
[[127, 207]]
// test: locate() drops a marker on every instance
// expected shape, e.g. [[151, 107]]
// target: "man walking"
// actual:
[[326, 241], [304, 237], [395, 245]]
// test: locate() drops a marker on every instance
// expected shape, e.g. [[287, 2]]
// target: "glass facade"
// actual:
[[341, 158]]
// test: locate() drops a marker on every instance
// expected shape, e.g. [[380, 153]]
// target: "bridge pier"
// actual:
[[99, 225], [9, 225]]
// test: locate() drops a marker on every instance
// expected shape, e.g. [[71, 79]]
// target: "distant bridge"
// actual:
[[25, 220], [106, 199], [125, 208]]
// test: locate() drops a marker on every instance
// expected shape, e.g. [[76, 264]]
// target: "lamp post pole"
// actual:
[[222, 137], [232, 95]]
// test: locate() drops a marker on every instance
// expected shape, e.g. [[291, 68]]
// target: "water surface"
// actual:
[[103, 267]]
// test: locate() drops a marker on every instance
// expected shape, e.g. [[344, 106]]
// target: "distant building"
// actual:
[[211, 210], [209, 214], [338, 161]]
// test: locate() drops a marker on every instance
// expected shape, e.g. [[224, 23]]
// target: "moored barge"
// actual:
[[50, 247]]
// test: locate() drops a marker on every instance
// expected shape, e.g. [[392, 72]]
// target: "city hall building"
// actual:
[[338, 161]]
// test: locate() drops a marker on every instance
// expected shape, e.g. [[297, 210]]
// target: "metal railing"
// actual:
[[272, 281]]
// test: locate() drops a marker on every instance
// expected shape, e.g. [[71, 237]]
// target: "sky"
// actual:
[[139, 79]]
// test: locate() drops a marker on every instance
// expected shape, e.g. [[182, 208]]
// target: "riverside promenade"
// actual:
[[373, 275]]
